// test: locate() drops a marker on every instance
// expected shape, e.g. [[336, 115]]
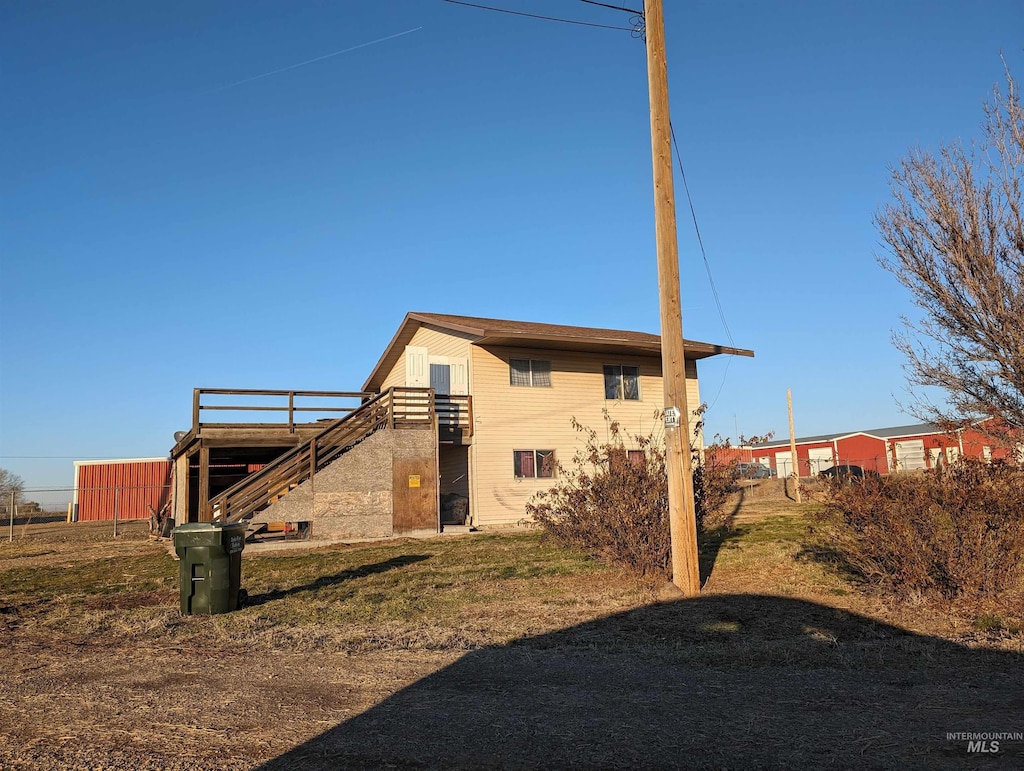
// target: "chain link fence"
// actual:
[[114, 504]]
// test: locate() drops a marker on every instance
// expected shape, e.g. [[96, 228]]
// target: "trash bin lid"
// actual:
[[207, 527]]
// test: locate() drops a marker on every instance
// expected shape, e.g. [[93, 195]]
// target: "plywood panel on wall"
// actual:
[[415, 494]]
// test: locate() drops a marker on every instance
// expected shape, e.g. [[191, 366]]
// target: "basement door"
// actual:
[[415, 494]]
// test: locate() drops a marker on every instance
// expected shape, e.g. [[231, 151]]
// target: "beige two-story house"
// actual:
[[461, 422], [525, 382]]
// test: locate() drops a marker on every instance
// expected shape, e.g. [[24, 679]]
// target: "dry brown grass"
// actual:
[[485, 651]]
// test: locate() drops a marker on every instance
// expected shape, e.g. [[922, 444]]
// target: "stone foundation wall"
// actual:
[[353, 497]]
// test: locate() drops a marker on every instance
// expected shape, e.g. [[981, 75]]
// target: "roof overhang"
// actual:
[[597, 340]]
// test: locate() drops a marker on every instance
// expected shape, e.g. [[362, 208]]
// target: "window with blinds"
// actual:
[[529, 372]]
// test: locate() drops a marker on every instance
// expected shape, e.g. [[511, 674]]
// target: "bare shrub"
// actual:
[[955, 532], [612, 501]]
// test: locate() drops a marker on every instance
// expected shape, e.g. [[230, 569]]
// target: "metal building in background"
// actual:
[[121, 489]]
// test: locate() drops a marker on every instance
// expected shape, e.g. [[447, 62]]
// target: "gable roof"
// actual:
[[530, 334]]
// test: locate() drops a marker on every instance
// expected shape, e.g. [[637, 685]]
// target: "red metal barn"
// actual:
[[974, 443], [726, 455], [897, 448], [813, 455], [864, 450], [126, 488]]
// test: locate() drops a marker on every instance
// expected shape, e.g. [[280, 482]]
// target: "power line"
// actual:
[[700, 241], [538, 16], [311, 61], [59, 457], [707, 266], [613, 7]]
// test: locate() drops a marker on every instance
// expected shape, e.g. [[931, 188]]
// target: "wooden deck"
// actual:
[[233, 441]]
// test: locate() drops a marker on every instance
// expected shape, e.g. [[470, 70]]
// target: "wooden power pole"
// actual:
[[682, 513], [792, 445]]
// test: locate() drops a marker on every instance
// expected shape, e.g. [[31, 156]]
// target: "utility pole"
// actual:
[[792, 445], [682, 512]]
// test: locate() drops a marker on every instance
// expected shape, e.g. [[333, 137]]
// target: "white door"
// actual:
[[934, 454], [417, 374], [820, 458], [459, 376], [784, 464], [910, 455]]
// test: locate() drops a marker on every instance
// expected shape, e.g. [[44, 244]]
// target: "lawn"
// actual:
[[493, 650]]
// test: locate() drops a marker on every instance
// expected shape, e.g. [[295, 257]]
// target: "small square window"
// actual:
[[621, 382], [529, 372]]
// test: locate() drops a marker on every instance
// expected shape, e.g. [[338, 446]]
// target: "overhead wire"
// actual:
[[613, 7], [638, 31], [538, 16], [707, 265]]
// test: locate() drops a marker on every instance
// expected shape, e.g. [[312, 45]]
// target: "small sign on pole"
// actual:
[[672, 417]]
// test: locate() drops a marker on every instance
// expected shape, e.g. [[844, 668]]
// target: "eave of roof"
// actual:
[[499, 332]]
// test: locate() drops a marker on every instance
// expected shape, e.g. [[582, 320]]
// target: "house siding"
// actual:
[[438, 343], [508, 418]]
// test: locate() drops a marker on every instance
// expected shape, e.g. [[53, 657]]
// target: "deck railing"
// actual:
[[337, 403], [396, 407], [454, 413]]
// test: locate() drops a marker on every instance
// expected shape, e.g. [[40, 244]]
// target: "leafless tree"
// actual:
[[955, 238], [10, 483]]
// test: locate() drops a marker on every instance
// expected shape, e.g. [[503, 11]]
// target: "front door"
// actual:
[[441, 378]]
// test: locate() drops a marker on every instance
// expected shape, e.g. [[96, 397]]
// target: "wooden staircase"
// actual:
[[395, 408]]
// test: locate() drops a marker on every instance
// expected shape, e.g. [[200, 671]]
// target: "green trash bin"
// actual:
[[210, 570]]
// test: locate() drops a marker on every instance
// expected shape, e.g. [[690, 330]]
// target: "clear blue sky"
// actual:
[[162, 228]]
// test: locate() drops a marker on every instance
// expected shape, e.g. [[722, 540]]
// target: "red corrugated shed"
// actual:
[[125, 486]]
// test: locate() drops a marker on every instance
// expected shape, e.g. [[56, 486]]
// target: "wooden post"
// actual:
[[792, 445], [291, 412], [205, 515], [312, 465], [682, 513], [195, 409]]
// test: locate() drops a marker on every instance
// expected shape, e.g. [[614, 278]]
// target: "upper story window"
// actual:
[[529, 372], [621, 382]]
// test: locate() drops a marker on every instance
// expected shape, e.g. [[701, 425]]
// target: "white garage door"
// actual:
[[784, 464], [910, 455], [820, 458]]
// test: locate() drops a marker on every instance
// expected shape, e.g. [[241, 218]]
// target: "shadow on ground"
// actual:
[[712, 541], [338, 578], [738, 681]]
